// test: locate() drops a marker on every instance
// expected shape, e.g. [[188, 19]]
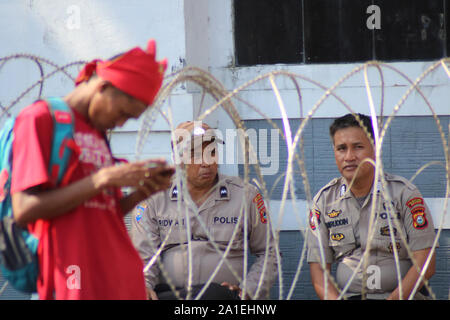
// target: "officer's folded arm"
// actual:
[[317, 278], [151, 294], [234, 287], [410, 279]]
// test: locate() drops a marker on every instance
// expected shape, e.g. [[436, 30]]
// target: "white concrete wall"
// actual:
[[190, 32], [435, 87], [219, 43], [71, 30]]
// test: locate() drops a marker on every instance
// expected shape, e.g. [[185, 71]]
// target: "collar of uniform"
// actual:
[[174, 192], [345, 193], [222, 189], [374, 192]]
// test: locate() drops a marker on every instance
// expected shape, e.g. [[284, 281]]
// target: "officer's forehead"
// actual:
[[194, 130], [350, 134], [191, 126]]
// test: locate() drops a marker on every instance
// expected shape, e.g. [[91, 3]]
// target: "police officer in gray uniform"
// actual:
[[339, 224], [222, 212]]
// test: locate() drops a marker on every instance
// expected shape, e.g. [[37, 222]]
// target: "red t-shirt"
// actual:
[[85, 253]]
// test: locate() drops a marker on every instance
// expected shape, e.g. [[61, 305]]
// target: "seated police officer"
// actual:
[[341, 216], [217, 207]]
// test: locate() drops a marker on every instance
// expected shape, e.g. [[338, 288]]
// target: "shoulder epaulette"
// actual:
[[400, 179], [326, 187], [234, 181]]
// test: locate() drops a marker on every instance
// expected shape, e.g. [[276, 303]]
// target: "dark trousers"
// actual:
[[214, 292], [423, 291]]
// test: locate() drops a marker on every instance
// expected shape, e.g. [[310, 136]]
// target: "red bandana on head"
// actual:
[[136, 72]]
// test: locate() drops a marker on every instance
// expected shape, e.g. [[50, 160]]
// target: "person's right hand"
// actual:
[[134, 174], [157, 178], [234, 287], [151, 295]]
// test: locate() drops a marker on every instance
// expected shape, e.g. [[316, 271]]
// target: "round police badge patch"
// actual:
[[419, 218]]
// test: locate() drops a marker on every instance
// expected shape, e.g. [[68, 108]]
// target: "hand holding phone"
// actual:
[[165, 170]]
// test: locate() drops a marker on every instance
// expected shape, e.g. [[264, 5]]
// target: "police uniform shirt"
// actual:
[[160, 224], [342, 226]]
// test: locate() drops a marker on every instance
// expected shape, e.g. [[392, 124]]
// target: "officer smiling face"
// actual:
[[351, 147]]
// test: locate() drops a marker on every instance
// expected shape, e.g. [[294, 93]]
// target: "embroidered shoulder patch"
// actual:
[[312, 222], [140, 211], [414, 201], [260, 207], [419, 218]]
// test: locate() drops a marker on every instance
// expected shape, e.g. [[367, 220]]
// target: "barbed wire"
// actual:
[[40, 63], [226, 100]]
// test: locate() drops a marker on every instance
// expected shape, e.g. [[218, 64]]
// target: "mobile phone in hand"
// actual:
[[166, 172]]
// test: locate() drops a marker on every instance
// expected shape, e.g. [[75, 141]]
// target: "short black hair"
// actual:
[[350, 120]]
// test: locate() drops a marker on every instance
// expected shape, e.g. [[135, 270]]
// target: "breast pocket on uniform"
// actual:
[[173, 234], [341, 237], [222, 233], [383, 242]]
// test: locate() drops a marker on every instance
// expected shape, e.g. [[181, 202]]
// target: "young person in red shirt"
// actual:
[[84, 249]]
